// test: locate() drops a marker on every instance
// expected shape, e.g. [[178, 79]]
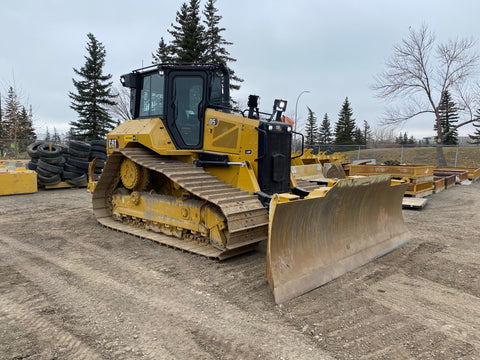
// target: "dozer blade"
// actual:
[[314, 240]]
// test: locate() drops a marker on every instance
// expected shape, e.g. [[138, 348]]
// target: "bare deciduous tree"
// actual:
[[121, 110], [383, 136], [419, 72]]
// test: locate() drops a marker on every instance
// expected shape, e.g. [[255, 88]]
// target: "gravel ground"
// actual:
[[71, 289]]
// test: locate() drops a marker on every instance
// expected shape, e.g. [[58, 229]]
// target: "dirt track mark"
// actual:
[[66, 344], [436, 306], [128, 298], [78, 275]]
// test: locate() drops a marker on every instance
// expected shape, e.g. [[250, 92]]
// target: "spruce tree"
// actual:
[[325, 132], [164, 53], [367, 132], [311, 130], [399, 139], [448, 117], [193, 42], [358, 136], [93, 95], [345, 126], [11, 115], [188, 34], [475, 138], [26, 133], [215, 51], [17, 124]]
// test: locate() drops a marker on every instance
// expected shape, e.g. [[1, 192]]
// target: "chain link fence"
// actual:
[[14, 149], [435, 155]]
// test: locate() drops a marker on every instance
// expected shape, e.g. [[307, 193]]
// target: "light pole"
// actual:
[[295, 125]]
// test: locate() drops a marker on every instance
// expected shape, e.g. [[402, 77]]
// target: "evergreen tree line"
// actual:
[[346, 131], [403, 139], [16, 124]]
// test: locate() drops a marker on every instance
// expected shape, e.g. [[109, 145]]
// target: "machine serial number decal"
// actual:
[[212, 122], [130, 138], [112, 143]]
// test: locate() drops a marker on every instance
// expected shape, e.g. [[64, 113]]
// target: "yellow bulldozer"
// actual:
[[193, 173]]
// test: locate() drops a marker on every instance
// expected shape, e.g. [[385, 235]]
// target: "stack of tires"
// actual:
[[49, 164], [76, 166], [54, 163], [32, 151], [98, 150]]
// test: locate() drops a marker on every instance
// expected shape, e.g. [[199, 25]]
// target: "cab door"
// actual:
[[186, 108]]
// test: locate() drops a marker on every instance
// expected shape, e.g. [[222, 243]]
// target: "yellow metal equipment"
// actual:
[[218, 183], [318, 238], [17, 181]]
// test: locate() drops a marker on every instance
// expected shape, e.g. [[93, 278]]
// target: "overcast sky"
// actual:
[[330, 48]]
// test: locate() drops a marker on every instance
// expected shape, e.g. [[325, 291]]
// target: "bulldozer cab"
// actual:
[[179, 95]]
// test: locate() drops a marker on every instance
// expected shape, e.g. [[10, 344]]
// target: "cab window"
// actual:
[[151, 96]]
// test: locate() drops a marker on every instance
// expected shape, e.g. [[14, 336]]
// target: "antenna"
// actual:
[[13, 77]]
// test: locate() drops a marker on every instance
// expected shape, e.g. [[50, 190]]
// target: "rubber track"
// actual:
[[247, 219]]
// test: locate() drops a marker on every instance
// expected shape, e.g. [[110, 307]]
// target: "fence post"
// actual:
[[401, 156], [358, 156], [456, 156]]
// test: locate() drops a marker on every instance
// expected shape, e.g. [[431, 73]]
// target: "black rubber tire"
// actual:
[[78, 163], [99, 143], [31, 165], [74, 169], [99, 148], [55, 169], [80, 180], [79, 153], [34, 160], [32, 149], [79, 158], [44, 150], [78, 145], [67, 175], [100, 164], [98, 155], [97, 171], [49, 180], [44, 172], [59, 161]]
